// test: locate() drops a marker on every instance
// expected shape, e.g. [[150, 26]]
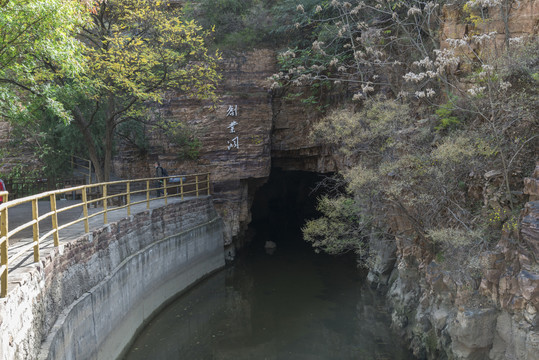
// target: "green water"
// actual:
[[294, 304]]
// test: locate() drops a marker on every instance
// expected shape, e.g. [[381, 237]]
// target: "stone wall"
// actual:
[[87, 299]]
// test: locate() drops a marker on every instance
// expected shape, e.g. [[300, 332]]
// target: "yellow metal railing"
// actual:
[[4, 196], [87, 167], [110, 195]]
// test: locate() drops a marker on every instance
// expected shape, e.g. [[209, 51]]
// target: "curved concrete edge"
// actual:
[[102, 322], [163, 248]]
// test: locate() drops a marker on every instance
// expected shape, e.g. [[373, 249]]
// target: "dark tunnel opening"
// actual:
[[282, 206]]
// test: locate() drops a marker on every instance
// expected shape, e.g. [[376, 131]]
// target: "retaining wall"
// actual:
[[87, 299]]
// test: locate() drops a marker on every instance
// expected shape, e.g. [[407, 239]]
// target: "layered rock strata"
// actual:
[[512, 20]]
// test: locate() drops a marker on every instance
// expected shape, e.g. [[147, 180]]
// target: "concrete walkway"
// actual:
[[21, 214]]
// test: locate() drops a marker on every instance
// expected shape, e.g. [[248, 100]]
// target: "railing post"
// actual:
[[196, 182], [181, 187], [128, 198], [35, 215], [165, 190], [85, 209], [54, 219], [3, 248], [105, 221], [147, 194], [89, 171], [208, 185]]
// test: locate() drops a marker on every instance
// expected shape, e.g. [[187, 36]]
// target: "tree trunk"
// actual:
[[504, 12], [88, 139], [109, 133]]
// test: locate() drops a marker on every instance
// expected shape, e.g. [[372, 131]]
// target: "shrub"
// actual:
[[339, 229]]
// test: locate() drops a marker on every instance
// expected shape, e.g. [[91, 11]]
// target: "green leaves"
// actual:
[[141, 48], [38, 46], [338, 230], [98, 64]]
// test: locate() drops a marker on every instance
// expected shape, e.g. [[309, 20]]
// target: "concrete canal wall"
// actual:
[[87, 299]]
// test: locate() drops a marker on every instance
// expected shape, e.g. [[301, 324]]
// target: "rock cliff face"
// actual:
[[491, 315], [235, 138], [521, 20], [251, 130]]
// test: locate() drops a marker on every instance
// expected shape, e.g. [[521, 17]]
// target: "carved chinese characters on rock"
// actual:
[[232, 126], [233, 143]]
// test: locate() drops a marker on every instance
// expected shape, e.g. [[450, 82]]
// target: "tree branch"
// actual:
[[13, 82]]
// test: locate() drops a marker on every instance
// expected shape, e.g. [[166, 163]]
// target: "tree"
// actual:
[[137, 50], [37, 46], [365, 44]]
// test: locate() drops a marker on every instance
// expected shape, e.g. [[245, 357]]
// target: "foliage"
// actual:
[[447, 119], [183, 136], [363, 43], [455, 237], [50, 141], [134, 133], [462, 245], [20, 172], [292, 23], [238, 24], [126, 56], [37, 46], [244, 24], [373, 129], [338, 230], [406, 165], [417, 163]]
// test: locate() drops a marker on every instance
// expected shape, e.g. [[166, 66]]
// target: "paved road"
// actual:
[[23, 213]]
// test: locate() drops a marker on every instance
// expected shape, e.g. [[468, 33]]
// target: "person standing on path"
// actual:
[[159, 173]]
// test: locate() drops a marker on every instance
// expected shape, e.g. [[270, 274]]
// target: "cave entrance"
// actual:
[[282, 206]]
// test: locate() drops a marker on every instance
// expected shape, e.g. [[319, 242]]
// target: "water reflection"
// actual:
[[293, 304]]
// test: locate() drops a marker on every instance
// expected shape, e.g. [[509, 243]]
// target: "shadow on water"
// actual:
[[292, 304]]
